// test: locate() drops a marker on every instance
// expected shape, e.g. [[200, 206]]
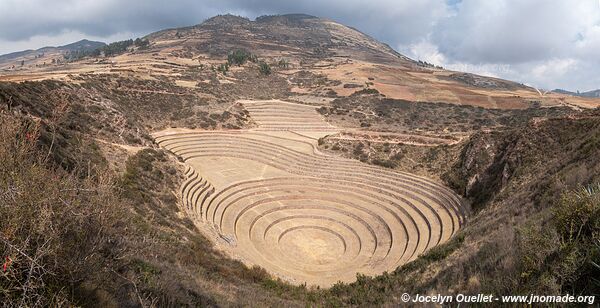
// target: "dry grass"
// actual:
[[55, 225]]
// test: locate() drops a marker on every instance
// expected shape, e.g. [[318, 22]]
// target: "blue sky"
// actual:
[[544, 43]]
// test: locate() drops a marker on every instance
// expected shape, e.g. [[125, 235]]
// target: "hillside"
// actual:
[[287, 161], [345, 60], [45, 56]]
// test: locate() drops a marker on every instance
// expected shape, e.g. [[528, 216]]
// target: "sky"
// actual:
[[543, 43]]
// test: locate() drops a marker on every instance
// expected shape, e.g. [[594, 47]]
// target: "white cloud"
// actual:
[[544, 43], [553, 67], [424, 50]]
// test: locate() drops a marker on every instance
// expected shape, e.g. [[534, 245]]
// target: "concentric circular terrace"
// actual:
[[302, 215]]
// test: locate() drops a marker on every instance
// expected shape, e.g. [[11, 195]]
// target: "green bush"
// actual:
[[264, 68], [577, 215], [223, 68], [283, 63], [239, 57]]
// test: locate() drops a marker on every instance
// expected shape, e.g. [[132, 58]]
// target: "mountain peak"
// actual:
[[84, 44], [284, 18], [225, 19], [301, 34]]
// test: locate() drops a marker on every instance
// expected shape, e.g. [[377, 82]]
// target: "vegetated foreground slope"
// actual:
[[517, 155], [277, 202]]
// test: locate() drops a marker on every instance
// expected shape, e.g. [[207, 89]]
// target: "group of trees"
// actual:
[[427, 64], [109, 50], [240, 56], [116, 47], [141, 43]]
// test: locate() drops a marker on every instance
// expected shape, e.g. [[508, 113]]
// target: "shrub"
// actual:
[[385, 163], [577, 215], [223, 68], [264, 68], [55, 226], [283, 63], [565, 257], [358, 149], [239, 57]]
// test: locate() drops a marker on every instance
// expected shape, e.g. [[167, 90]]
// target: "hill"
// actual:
[[46, 55], [593, 93], [345, 59]]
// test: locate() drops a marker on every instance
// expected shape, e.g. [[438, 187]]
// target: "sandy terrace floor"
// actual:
[[304, 216]]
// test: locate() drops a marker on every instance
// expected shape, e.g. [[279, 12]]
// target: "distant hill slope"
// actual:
[[314, 56], [297, 34], [593, 93], [48, 53]]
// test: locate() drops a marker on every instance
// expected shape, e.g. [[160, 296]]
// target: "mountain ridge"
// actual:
[[328, 47], [347, 60], [591, 93], [83, 44]]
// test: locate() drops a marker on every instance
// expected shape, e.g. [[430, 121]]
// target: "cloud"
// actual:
[[515, 39], [544, 43], [424, 50], [509, 31], [107, 17]]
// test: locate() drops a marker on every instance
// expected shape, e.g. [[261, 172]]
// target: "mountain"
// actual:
[[47, 54], [294, 34], [83, 45], [352, 61], [287, 161], [593, 93]]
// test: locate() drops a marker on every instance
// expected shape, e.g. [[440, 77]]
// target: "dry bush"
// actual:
[[564, 256], [55, 226]]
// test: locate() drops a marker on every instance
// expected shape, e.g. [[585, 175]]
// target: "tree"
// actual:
[[117, 47], [142, 43]]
